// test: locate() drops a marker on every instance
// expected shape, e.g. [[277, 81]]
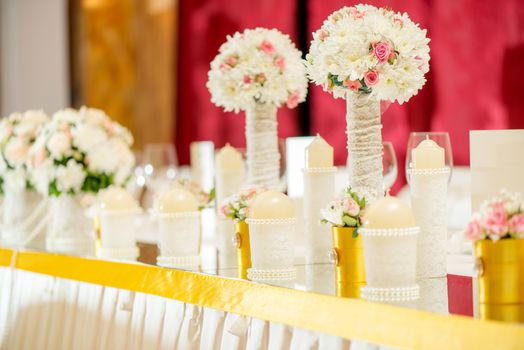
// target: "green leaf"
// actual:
[[349, 221], [355, 233], [53, 189]]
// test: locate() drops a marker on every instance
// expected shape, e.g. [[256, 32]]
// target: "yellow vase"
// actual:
[[500, 269], [241, 241], [348, 257]]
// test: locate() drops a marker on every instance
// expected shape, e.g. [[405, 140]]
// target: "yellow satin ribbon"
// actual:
[[348, 318]]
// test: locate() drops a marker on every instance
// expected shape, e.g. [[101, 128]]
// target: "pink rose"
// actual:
[[356, 14], [267, 47], [222, 66], [398, 21], [497, 221], [260, 78], [371, 78], [516, 224], [474, 230], [231, 61], [39, 157], [247, 79], [382, 51], [352, 85], [224, 211], [322, 35], [351, 207], [280, 63], [292, 99]]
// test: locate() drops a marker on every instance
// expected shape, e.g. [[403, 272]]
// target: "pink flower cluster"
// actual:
[[498, 220]]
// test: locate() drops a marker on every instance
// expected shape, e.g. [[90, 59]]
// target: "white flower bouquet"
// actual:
[[257, 66], [203, 198], [80, 151], [346, 211], [18, 132], [369, 50], [236, 207]]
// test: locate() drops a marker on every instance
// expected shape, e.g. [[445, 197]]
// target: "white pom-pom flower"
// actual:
[[257, 66], [369, 50]]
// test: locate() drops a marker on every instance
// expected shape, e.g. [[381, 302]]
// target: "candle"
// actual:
[[271, 205], [428, 155], [319, 154], [228, 158], [178, 200], [117, 198], [388, 212]]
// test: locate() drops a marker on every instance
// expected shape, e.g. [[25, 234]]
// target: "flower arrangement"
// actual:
[[203, 198], [346, 211], [236, 207], [369, 50], [80, 151], [18, 132], [499, 218], [257, 66]]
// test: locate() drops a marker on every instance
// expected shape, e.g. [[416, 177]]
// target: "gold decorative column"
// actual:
[[241, 242], [347, 255], [500, 269]]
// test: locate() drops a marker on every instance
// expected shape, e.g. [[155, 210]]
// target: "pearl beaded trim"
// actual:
[[389, 232], [328, 170], [387, 294], [272, 275], [178, 261], [285, 221], [433, 171]]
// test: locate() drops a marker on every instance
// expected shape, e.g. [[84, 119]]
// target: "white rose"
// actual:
[[333, 214], [71, 177], [87, 137], [15, 180], [16, 151], [102, 159], [42, 177], [59, 145]]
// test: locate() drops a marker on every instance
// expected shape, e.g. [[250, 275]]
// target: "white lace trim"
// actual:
[[433, 171], [272, 275], [178, 214], [285, 221], [329, 170], [364, 145], [389, 232], [263, 157], [389, 294], [178, 261]]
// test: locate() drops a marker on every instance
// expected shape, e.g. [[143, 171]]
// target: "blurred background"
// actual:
[[145, 63]]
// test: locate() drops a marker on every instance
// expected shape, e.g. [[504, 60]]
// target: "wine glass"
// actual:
[[160, 161], [440, 155], [389, 166]]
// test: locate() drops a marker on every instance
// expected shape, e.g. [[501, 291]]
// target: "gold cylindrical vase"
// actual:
[[500, 269], [347, 255], [241, 242]]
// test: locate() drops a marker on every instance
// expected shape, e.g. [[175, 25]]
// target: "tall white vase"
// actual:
[[364, 144], [263, 157], [24, 218], [70, 231]]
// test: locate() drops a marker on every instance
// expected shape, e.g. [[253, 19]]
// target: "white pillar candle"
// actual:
[[388, 212], [428, 155], [117, 224], [319, 189], [230, 171]]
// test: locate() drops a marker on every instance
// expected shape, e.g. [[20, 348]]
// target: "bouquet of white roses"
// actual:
[[18, 132], [257, 66], [81, 151], [346, 211], [369, 50]]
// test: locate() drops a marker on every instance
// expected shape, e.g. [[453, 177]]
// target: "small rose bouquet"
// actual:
[[257, 66], [369, 50], [18, 132], [80, 151], [236, 207], [203, 198], [499, 218], [346, 211]]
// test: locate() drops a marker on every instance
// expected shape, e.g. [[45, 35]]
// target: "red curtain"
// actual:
[[475, 81], [204, 25]]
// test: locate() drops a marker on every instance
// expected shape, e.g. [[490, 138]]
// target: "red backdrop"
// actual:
[[475, 82]]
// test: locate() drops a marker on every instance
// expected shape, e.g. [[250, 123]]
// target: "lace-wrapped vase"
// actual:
[[263, 157], [179, 239], [364, 144], [70, 231], [24, 218]]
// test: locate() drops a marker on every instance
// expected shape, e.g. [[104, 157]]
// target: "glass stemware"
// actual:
[[440, 138], [389, 166]]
